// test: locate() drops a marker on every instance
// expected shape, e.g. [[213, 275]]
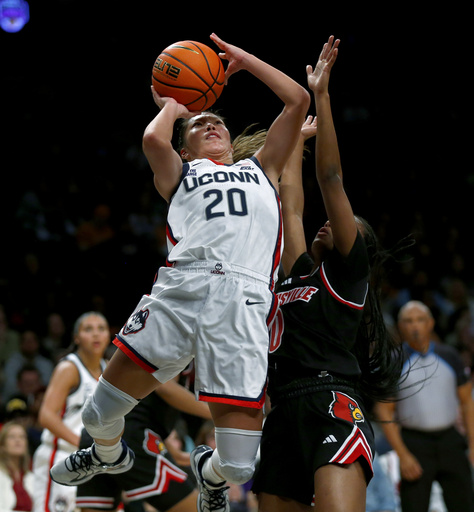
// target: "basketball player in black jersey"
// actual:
[[330, 351]]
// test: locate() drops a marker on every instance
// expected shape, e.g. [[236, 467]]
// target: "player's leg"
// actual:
[[340, 488], [231, 366], [272, 503], [238, 432], [187, 504], [126, 383]]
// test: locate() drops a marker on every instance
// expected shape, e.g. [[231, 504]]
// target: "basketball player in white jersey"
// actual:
[[215, 300], [73, 380]]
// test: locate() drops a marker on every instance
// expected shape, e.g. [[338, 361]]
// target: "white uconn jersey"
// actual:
[[226, 213], [71, 415]]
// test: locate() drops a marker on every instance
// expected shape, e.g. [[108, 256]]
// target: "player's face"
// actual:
[[93, 335], [323, 242], [206, 136]]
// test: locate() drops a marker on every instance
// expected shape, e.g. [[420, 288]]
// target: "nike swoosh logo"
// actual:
[[251, 303]]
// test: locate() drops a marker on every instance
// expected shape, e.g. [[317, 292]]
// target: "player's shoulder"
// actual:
[[66, 372]]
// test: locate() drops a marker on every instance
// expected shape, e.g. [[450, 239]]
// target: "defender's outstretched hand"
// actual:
[[318, 79]]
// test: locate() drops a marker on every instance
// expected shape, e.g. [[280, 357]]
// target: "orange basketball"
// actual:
[[191, 73]]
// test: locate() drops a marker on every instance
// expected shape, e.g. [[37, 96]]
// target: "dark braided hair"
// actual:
[[378, 352]]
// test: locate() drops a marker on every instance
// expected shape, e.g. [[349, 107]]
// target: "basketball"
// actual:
[[191, 73]]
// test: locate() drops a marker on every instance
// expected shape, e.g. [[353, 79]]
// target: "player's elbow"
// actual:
[[153, 142], [297, 107], [302, 100]]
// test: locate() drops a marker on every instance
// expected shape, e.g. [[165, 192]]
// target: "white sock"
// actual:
[[208, 471], [233, 460], [108, 454]]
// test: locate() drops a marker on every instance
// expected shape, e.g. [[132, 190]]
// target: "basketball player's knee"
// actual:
[[104, 411], [236, 473], [99, 426], [236, 453]]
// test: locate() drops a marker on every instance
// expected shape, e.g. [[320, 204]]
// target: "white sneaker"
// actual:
[[82, 465], [212, 497]]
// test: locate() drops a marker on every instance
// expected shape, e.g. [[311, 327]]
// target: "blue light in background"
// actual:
[[14, 14]]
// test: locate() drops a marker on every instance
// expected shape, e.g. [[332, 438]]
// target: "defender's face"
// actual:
[[322, 242]]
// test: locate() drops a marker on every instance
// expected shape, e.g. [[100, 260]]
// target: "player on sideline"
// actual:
[[73, 380], [215, 300]]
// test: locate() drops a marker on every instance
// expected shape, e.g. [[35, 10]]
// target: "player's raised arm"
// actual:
[[284, 132], [158, 148]]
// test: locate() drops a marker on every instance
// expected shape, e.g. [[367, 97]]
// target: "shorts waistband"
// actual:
[[307, 385], [220, 268]]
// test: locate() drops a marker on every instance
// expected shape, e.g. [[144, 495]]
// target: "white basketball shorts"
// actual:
[[213, 312]]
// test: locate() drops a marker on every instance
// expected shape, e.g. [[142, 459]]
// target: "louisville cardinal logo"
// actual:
[[345, 408], [152, 443]]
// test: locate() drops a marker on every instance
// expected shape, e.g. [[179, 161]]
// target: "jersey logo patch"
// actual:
[[345, 408], [136, 322]]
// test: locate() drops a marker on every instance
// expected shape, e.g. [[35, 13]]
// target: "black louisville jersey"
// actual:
[[318, 317]]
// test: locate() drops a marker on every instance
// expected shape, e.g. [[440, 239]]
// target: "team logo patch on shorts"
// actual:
[[152, 443], [136, 322], [218, 269], [345, 408]]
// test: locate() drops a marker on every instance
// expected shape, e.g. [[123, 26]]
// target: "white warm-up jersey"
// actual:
[[71, 415], [226, 213], [48, 495]]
